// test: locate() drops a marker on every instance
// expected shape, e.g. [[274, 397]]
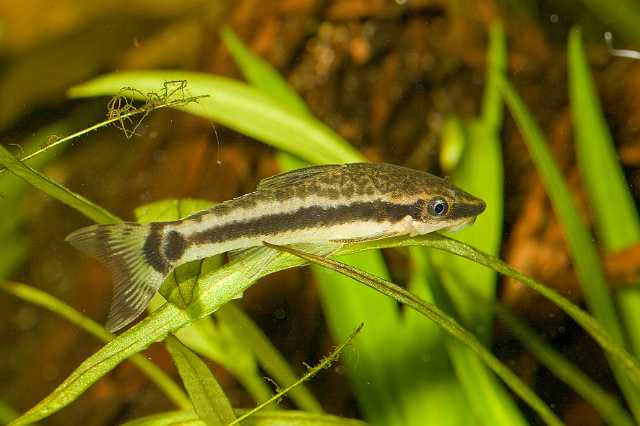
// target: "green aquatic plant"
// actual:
[[282, 120]]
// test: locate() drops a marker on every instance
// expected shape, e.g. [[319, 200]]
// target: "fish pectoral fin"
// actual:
[[374, 237]]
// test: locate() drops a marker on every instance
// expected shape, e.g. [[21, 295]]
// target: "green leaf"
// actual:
[[237, 106], [617, 228], [375, 370], [444, 321], [40, 298], [624, 17], [215, 342], [486, 395], [581, 248], [587, 322], [224, 284], [311, 371], [270, 359], [151, 329], [262, 418], [12, 190], [209, 400], [55, 190], [6, 413], [235, 342], [261, 74], [607, 404]]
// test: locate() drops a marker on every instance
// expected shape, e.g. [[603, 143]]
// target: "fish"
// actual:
[[332, 203]]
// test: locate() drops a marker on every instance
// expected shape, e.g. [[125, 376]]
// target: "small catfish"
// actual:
[[319, 204]]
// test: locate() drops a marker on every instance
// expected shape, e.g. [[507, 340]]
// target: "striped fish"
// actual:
[[319, 204]]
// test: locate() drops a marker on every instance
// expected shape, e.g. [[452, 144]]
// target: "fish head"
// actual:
[[441, 206]]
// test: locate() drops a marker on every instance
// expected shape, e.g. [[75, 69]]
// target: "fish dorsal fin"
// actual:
[[285, 180]]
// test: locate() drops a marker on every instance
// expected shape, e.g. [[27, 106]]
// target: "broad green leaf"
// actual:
[[453, 141], [435, 314], [238, 106], [583, 253], [209, 400], [54, 189], [11, 258], [262, 418], [40, 298]]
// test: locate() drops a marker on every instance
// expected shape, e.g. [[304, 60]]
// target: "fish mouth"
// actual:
[[467, 210]]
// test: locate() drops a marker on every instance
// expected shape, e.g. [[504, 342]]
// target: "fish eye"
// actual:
[[438, 207]]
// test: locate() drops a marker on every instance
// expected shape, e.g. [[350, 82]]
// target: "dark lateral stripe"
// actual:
[[151, 249], [307, 217]]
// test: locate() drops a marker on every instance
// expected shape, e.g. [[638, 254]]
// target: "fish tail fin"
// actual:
[[131, 251]]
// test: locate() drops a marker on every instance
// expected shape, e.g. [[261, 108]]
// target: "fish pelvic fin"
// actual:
[[132, 252]]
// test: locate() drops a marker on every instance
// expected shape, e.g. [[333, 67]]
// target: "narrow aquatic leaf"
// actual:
[[425, 337], [12, 190], [216, 289], [271, 360], [6, 413], [436, 315], [492, 103], [607, 404], [623, 18], [369, 366], [261, 74], [324, 364], [219, 287], [237, 106], [203, 336], [487, 396], [583, 253], [209, 400], [153, 372], [374, 371], [587, 322], [151, 329], [54, 189], [606, 186], [261, 418], [617, 228]]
